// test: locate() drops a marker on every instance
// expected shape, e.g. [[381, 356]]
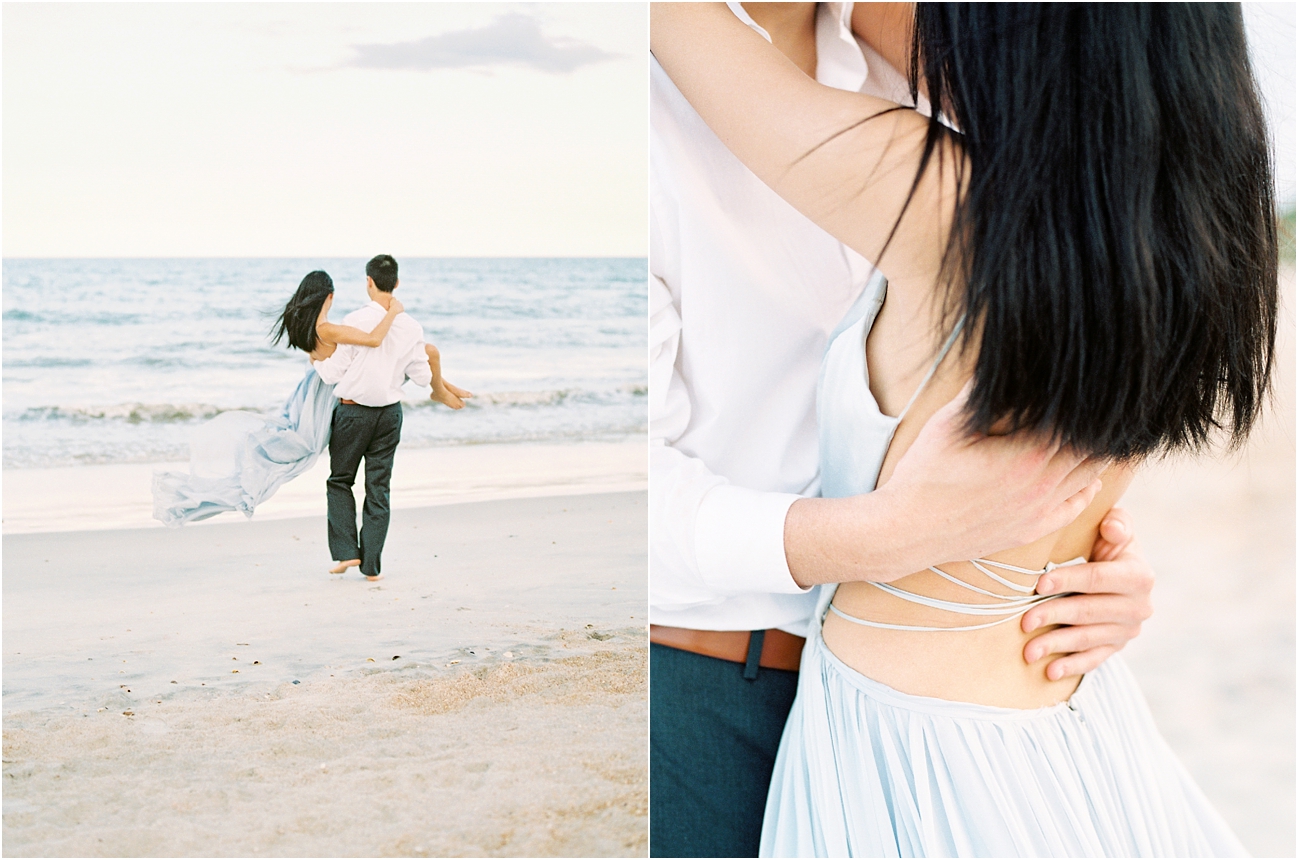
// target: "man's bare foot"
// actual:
[[374, 578], [458, 391], [343, 565], [448, 398]]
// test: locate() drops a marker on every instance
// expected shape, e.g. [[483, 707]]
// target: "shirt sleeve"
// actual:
[[417, 369], [709, 539], [333, 368]]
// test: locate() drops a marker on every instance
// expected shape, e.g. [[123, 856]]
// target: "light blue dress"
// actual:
[[239, 459], [865, 770]]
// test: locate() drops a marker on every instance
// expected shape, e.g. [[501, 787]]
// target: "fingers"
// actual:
[[1078, 664], [1068, 640], [947, 419], [1116, 533], [1089, 609], [1083, 475], [1072, 507], [1130, 577]]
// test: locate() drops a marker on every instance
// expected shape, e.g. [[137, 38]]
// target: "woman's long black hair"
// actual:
[[300, 314], [1116, 247]]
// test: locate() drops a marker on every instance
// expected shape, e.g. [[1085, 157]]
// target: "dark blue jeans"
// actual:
[[713, 736], [371, 432]]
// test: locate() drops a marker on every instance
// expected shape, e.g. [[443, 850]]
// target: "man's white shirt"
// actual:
[[373, 376], [744, 292]]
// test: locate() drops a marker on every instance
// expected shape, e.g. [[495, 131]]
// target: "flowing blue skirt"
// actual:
[[868, 771], [239, 459]]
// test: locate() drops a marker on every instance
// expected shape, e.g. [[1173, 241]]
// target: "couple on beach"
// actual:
[[350, 400], [904, 362]]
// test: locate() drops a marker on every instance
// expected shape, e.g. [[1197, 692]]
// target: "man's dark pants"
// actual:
[[373, 433], [713, 736]]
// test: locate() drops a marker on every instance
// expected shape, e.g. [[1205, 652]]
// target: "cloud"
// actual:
[[511, 40]]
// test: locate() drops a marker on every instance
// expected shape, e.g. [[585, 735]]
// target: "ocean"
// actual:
[[117, 360]]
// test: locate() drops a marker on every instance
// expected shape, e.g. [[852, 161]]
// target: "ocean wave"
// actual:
[[130, 413], [548, 397], [177, 413]]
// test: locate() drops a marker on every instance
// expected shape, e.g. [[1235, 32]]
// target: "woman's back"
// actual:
[[985, 665]]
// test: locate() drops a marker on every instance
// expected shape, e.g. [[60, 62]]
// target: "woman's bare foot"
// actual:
[[374, 578], [343, 565], [458, 391], [445, 396]]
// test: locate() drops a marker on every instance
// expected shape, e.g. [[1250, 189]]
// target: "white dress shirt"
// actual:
[[373, 376], [744, 291]]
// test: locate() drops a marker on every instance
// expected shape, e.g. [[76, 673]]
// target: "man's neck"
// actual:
[[792, 28], [382, 298]]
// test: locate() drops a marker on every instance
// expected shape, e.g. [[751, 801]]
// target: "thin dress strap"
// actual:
[[1004, 607], [937, 362]]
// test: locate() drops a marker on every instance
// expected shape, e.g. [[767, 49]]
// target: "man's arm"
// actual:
[[708, 538], [953, 496]]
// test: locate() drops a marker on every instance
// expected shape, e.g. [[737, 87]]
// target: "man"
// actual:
[[744, 293], [367, 420]]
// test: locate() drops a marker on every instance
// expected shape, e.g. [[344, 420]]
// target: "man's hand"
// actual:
[[989, 493], [1106, 613], [953, 496]]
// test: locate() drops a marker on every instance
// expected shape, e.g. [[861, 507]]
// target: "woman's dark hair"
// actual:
[[300, 314], [1115, 250]]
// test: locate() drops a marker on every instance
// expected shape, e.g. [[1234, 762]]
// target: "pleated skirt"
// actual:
[[866, 771]]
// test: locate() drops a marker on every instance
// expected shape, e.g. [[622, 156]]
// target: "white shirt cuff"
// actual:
[[739, 541]]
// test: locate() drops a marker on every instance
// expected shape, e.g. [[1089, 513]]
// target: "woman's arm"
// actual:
[[846, 160], [888, 28], [350, 334]]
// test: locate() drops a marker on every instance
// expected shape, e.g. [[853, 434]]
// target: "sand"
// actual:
[[487, 697], [1216, 660], [83, 497]]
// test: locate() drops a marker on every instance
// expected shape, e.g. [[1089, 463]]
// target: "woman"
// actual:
[[239, 459], [305, 322], [1095, 250]]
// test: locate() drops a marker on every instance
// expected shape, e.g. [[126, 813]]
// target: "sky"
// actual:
[[303, 129], [1269, 28]]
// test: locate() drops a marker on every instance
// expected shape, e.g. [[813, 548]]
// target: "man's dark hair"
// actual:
[[383, 270]]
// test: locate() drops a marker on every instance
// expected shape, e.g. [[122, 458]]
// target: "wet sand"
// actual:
[[487, 697], [117, 496]]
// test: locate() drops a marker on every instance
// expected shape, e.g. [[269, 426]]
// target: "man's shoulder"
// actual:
[[407, 324], [362, 314]]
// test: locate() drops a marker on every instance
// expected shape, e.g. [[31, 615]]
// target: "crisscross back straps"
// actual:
[[1007, 606]]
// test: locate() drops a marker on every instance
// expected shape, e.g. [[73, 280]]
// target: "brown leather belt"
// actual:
[[780, 650], [348, 402]]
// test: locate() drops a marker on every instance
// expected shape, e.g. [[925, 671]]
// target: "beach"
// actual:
[[212, 690]]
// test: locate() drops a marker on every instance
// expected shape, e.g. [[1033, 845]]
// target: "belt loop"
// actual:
[[754, 661]]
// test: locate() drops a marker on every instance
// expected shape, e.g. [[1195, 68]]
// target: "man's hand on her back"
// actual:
[[952, 496], [980, 494]]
